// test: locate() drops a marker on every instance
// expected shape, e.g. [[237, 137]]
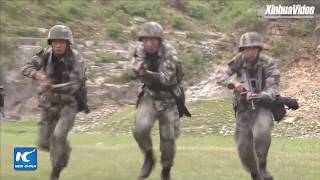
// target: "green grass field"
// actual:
[[107, 156]]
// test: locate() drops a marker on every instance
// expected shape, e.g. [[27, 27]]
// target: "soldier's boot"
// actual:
[[55, 173], [264, 173], [165, 174], [148, 165], [256, 176]]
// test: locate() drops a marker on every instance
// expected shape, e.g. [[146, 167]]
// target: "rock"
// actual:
[[43, 31], [139, 19], [89, 43], [289, 120]]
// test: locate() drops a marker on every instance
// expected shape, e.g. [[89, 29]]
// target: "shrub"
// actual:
[[124, 78], [179, 22], [279, 48], [105, 57], [198, 10], [114, 30]]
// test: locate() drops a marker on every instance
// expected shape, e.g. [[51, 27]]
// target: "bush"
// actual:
[[194, 63], [121, 17], [7, 45], [198, 10], [303, 31], [134, 33], [279, 48], [65, 9], [28, 32], [114, 30], [179, 22], [105, 57], [124, 78]]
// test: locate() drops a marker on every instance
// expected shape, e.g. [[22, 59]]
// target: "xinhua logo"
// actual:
[[25, 158], [290, 11]]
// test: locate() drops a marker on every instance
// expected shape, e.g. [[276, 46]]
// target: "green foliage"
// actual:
[[7, 45], [124, 78], [121, 17], [280, 48], [67, 10], [114, 30], [236, 14], [301, 31], [194, 63], [180, 22], [105, 57], [134, 33], [198, 9]]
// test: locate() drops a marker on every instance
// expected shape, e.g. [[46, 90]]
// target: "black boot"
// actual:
[[55, 173], [165, 174], [148, 165], [264, 173], [256, 176]]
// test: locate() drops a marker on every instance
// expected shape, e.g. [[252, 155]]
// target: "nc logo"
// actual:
[[25, 158]]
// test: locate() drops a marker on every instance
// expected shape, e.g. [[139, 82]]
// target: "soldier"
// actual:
[[156, 64], [257, 81], [60, 71]]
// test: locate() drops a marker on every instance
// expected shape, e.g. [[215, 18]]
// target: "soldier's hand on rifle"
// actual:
[[251, 95], [46, 85], [138, 67], [40, 76], [238, 86]]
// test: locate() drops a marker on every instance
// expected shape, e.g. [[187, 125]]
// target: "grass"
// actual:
[[108, 156]]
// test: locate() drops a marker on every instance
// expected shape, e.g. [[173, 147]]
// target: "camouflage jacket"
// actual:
[[69, 68], [270, 75], [161, 73]]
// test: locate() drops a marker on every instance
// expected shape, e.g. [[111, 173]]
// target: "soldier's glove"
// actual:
[[46, 86], [139, 67], [40, 76]]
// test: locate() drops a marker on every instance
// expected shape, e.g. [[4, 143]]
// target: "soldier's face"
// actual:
[[59, 46], [250, 53], [151, 44]]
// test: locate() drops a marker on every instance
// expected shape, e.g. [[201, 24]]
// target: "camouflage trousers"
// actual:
[[57, 119], [253, 138], [150, 110]]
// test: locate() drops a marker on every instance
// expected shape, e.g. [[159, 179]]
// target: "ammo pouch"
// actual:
[[82, 99], [277, 106], [181, 100]]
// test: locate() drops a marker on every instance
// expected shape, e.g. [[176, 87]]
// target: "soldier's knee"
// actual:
[[141, 131], [44, 145], [59, 137], [167, 146]]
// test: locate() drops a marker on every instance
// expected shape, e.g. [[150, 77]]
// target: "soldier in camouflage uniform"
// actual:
[[254, 122], [156, 64], [58, 64]]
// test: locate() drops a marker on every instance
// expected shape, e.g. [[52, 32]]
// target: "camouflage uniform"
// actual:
[[59, 107], [253, 127], [157, 101], [1, 93]]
